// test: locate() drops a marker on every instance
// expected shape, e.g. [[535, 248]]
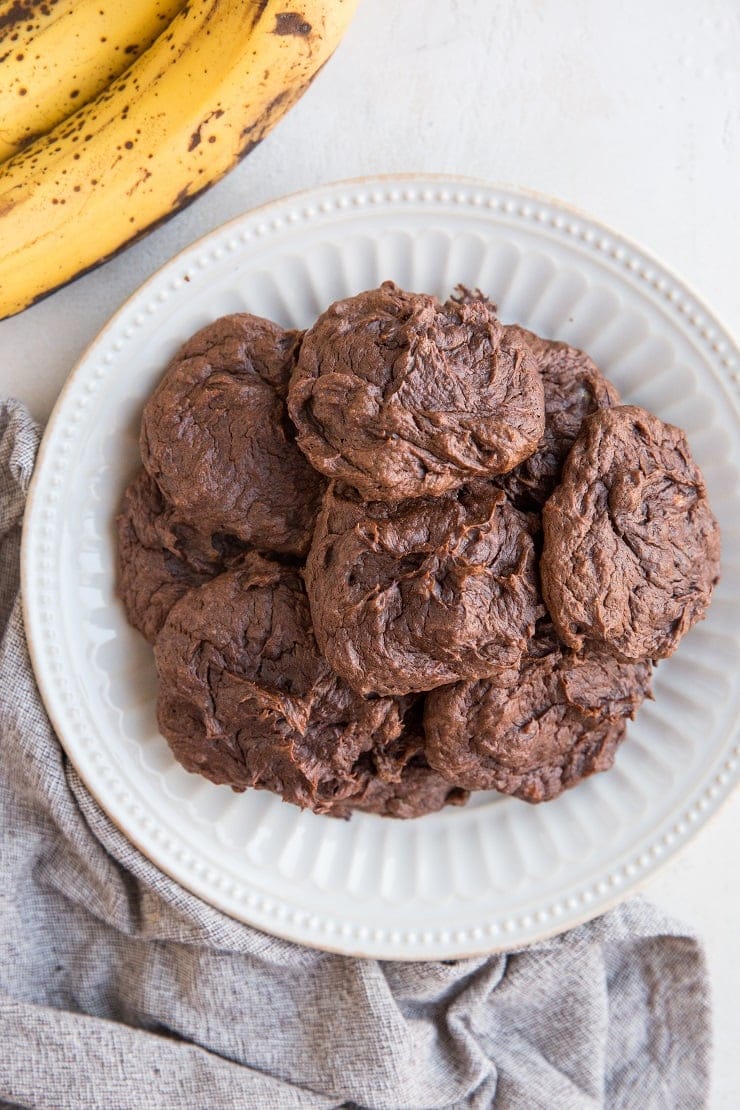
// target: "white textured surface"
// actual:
[[629, 111]]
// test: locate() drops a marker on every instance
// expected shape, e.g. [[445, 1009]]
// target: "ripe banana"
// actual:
[[200, 98], [57, 55]]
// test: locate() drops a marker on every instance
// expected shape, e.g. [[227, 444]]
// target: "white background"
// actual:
[[630, 111]]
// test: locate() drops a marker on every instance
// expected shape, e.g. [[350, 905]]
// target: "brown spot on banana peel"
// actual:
[[291, 23], [195, 138], [28, 139], [267, 113], [143, 176], [183, 197], [259, 12], [247, 148], [24, 11]]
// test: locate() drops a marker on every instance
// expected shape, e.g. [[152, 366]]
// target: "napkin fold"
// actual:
[[119, 989]]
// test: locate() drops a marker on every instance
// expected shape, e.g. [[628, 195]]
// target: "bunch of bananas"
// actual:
[[116, 113]]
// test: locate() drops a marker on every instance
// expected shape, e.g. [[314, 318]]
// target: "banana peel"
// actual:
[[188, 109]]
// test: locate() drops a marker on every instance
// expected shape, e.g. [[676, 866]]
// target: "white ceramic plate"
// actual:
[[500, 872]]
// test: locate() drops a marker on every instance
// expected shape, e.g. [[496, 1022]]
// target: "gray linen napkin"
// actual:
[[119, 989]]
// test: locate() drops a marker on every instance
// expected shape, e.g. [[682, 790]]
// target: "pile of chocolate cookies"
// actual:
[[407, 554]]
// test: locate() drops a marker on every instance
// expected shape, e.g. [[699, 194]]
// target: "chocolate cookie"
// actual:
[[245, 698], [558, 722], [631, 548], [158, 558], [216, 438], [401, 396], [574, 389], [411, 596], [400, 782]]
